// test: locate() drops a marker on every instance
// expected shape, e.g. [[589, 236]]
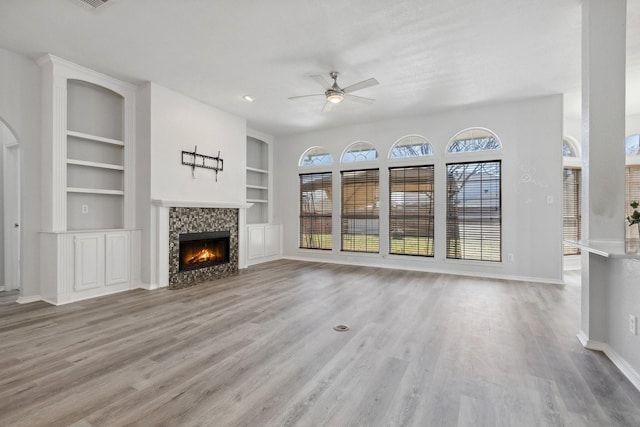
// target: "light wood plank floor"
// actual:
[[259, 349]]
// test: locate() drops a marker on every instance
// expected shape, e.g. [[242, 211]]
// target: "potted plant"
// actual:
[[634, 218]]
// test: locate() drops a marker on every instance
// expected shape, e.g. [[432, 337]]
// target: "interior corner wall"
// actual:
[[531, 134], [180, 123], [144, 218], [20, 103]]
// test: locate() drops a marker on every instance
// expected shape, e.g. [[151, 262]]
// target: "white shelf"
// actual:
[[94, 138], [257, 201], [257, 187], [94, 164], [250, 169], [94, 191]]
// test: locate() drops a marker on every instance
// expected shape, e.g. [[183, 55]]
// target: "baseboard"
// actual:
[[27, 300], [432, 270], [148, 286], [263, 259], [624, 366], [571, 262]]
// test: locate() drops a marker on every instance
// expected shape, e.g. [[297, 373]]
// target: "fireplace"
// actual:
[[206, 249], [188, 225]]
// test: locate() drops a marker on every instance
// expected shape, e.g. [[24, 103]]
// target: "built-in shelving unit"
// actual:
[[89, 245], [95, 157], [263, 238], [258, 180]]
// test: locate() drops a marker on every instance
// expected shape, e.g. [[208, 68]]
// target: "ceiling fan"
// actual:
[[334, 94]]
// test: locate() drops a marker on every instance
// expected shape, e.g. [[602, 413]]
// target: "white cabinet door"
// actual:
[[89, 261], [271, 240], [255, 241], [116, 258]]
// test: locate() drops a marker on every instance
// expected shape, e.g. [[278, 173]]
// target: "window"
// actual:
[[316, 156], [411, 146], [571, 208], [360, 210], [411, 211], [472, 140], [571, 195], [359, 152], [569, 149], [632, 179], [315, 210], [474, 217], [632, 145]]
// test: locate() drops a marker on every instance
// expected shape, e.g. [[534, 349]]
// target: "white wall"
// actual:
[[573, 127], [531, 134], [144, 219], [20, 105], [179, 123], [3, 131], [167, 124]]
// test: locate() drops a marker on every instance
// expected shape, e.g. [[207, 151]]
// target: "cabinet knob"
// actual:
[[16, 225]]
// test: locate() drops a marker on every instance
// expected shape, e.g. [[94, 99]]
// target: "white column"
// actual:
[[603, 123]]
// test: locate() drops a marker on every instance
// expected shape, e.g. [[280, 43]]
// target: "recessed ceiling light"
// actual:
[[248, 98]]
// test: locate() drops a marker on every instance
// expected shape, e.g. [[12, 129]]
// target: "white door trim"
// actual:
[[11, 207]]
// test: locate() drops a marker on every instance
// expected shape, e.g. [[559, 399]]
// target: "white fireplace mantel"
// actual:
[[200, 204]]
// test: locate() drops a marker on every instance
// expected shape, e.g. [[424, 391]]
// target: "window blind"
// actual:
[[360, 211], [411, 210], [571, 208], [474, 213], [316, 208], [632, 194]]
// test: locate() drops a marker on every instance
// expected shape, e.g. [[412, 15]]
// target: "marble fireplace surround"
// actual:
[[175, 217]]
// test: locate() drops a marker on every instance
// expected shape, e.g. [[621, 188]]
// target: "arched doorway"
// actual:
[[9, 214]]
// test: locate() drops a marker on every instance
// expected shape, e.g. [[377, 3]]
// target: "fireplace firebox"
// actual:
[[200, 250]]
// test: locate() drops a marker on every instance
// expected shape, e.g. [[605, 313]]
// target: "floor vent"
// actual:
[[94, 3]]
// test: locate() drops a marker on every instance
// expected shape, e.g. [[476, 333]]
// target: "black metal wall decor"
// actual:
[[195, 160]]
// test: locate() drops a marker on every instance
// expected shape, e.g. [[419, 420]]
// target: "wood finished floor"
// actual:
[[259, 349]]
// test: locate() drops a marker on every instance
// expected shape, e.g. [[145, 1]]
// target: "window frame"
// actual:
[[500, 241], [322, 217], [631, 161], [566, 249], [429, 217], [345, 217]]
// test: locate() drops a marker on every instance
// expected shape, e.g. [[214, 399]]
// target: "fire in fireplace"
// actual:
[[200, 250]]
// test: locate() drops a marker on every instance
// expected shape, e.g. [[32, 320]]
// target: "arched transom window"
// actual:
[[316, 156], [474, 140], [360, 151], [569, 148], [632, 145], [411, 146]]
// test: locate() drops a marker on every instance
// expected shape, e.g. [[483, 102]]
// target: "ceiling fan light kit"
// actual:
[[334, 97], [334, 94]]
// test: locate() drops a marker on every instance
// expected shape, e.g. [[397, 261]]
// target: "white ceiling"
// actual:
[[428, 55]]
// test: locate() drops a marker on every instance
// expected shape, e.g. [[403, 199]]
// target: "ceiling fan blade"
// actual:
[[321, 81], [295, 98], [361, 85], [327, 107], [358, 99]]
